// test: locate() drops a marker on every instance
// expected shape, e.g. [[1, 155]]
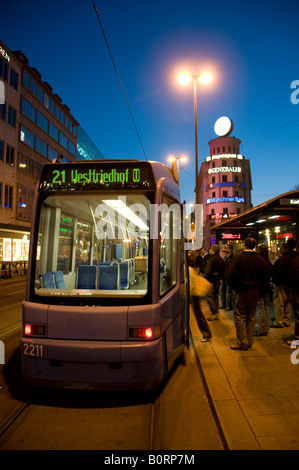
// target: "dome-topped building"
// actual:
[[224, 180]]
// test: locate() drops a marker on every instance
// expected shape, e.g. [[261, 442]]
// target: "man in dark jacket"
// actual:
[[282, 297], [214, 271], [292, 283], [226, 293], [246, 274]]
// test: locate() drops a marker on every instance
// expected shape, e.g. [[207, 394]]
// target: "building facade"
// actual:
[[224, 184], [35, 128]]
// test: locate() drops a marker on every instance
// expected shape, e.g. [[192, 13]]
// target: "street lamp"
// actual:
[[184, 79], [176, 164]]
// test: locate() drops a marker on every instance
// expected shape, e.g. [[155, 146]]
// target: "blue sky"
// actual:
[[251, 48]]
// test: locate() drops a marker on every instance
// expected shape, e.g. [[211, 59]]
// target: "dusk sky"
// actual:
[[251, 48]]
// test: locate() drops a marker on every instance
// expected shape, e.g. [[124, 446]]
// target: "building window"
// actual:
[[10, 155], [224, 194], [63, 140], [225, 210], [25, 203], [52, 154], [42, 122], [2, 111], [1, 150], [14, 79], [224, 179], [3, 69], [40, 146], [28, 109], [29, 166], [236, 178], [53, 132], [8, 192], [27, 137], [11, 119], [46, 101], [72, 148]]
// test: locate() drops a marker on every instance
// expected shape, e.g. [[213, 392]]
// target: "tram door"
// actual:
[[185, 279]]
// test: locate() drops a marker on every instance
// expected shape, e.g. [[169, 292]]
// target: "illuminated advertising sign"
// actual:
[[289, 202], [230, 236], [97, 175], [284, 235], [212, 200], [222, 216], [224, 155], [4, 54], [225, 169]]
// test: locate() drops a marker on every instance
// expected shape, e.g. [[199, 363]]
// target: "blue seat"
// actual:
[[86, 277], [109, 276], [59, 280], [47, 281], [124, 275]]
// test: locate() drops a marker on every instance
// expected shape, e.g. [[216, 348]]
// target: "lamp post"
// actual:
[[204, 78], [176, 164]]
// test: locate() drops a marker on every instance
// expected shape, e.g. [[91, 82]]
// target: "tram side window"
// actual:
[[65, 243], [170, 221]]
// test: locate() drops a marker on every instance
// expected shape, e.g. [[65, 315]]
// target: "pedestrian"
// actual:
[[214, 271], [282, 297], [292, 283], [245, 276], [226, 293], [202, 259], [263, 302], [198, 288]]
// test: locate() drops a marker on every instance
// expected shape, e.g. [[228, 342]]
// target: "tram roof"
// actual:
[[281, 209]]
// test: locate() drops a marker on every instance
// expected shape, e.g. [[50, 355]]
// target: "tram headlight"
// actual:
[[150, 332]]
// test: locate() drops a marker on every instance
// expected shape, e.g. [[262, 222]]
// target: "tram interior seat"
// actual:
[[59, 280], [47, 281], [109, 276], [124, 273], [86, 277]]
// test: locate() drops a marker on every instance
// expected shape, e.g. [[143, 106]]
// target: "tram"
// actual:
[[106, 303]]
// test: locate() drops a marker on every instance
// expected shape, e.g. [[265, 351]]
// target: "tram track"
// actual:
[[143, 422]]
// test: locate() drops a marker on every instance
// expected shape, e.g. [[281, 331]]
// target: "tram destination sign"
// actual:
[[110, 175]]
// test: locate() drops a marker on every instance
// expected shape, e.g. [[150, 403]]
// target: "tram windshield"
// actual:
[[93, 245]]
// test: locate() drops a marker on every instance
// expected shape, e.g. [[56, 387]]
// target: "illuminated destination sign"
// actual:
[[97, 175], [225, 169]]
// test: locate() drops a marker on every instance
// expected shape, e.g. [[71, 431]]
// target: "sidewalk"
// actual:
[[256, 392]]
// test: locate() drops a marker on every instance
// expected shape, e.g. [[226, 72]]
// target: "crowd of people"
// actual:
[[246, 283]]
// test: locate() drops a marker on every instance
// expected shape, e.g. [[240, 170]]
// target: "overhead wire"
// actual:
[[118, 76]]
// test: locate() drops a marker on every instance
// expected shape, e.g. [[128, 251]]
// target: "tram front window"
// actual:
[[93, 245]]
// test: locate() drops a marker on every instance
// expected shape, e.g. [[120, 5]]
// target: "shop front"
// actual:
[[14, 252], [271, 223]]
